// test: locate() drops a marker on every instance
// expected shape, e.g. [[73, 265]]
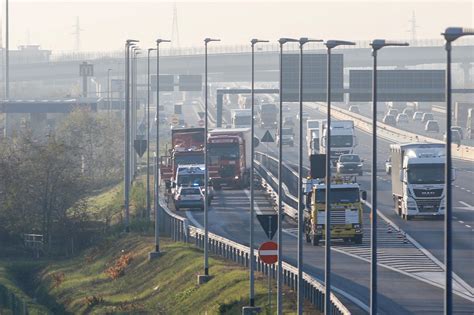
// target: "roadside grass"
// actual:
[[167, 285]]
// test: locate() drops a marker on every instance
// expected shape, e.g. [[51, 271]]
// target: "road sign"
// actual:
[[140, 146], [86, 69], [175, 120], [268, 252], [267, 137], [269, 223], [201, 123]]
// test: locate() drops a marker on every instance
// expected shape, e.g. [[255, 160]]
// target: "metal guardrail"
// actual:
[[179, 229]]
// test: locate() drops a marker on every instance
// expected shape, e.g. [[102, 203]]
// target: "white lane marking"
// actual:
[[462, 222], [467, 225], [189, 215], [257, 209], [466, 206]]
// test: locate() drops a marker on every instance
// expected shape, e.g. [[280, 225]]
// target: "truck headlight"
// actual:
[[359, 165], [356, 226]]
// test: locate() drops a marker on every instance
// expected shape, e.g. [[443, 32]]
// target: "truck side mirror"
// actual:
[[173, 185], [453, 174], [323, 142], [364, 195], [401, 175]]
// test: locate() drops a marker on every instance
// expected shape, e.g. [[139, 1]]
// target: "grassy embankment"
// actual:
[[115, 276]]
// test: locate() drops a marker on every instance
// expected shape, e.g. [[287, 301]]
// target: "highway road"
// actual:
[[399, 292]]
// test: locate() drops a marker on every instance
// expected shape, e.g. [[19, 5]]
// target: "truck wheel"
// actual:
[[176, 208], [358, 239], [217, 187], [315, 240], [408, 217], [308, 238]]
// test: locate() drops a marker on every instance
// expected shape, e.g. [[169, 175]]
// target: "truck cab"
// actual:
[[418, 183], [343, 138], [346, 210]]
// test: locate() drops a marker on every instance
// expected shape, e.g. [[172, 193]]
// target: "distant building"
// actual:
[[27, 54]]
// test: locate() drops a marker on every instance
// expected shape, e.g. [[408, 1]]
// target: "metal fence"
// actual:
[[179, 229]]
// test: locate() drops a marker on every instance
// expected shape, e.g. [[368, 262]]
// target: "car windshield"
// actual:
[[342, 195], [182, 159], [191, 180], [223, 151], [187, 191], [426, 174], [287, 131], [349, 158], [341, 141], [428, 116]]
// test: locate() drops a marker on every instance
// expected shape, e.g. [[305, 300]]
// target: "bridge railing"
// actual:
[[179, 229], [234, 49]]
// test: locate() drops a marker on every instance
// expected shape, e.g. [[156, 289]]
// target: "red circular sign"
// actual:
[[201, 122], [268, 252]]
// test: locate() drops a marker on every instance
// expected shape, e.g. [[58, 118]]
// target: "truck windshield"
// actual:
[[426, 174], [191, 180], [349, 158], [242, 120], [341, 141], [340, 195], [223, 151], [182, 159], [313, 124], [287, 131]]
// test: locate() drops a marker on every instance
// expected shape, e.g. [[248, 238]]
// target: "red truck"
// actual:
[[187, 147], [229, 157]]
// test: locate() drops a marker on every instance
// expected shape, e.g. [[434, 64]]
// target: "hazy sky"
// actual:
[[107, 23]]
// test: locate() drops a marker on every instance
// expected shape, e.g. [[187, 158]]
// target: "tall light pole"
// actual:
[[108, 91], [7, 53], [253, 42], [330, 44], [205, 277], [450, 35], [137, 51], [376, 44], [281, 41], [128, 44], [156, 253], [300, 296], [148, 206]]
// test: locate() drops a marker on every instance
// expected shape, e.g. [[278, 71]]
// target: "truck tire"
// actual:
[[315, 240], [358, 239], [217, 187], [308, 238]]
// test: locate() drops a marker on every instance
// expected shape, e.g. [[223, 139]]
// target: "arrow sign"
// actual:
[[269, 223], [267, 137], [140, 146], [268, 252]]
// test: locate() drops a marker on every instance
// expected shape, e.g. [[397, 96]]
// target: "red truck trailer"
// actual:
[[229, 157], [187, 147]]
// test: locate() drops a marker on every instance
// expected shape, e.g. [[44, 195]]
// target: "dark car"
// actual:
[[349, 164], [432, 126], [390, 120]]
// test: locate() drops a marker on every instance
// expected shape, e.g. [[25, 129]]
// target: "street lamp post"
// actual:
[[300, 296], [128, 44], [450, 35], [281, 41], [134, 109], [204, 278], [148, 138], [157, 252], [252, 194], [330, 44], [7, 54], [376, 44], [108, 91]]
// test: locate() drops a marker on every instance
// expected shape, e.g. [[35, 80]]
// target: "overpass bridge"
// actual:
[[231, 63]]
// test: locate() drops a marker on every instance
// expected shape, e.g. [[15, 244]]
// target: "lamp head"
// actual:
[[255, 41], [285, 40], [131, 41], [208, 40], [453, 33], [304, 40], [159, 41], [380, 43], [334, 43]]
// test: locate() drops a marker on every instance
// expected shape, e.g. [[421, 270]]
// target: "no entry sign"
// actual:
[[268, 252]]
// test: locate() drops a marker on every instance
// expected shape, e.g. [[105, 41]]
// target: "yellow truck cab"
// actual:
[[346, 211]]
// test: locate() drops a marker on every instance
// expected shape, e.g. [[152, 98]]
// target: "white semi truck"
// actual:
[[343, 138], [418, 185], [241, 118]]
